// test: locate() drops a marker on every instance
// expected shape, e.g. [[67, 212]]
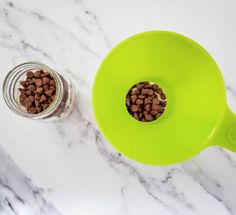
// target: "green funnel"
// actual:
[[196, 115]]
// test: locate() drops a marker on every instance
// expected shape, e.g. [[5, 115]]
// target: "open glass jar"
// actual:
[[62, 104]]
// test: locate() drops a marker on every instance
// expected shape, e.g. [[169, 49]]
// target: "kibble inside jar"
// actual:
[[37, 91], [146, 101]]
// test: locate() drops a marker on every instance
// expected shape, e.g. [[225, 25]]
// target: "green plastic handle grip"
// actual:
[[225, 134]]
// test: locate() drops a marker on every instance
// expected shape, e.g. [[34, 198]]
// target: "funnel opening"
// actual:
[[146, 101]]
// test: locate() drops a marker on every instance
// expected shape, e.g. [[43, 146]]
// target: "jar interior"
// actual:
[[12, 84]]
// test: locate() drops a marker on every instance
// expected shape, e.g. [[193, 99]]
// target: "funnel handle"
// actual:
[[226, 134]]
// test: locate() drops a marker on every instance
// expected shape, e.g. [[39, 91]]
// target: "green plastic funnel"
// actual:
[[196, 115]]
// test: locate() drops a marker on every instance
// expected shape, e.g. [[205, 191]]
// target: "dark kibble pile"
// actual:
[[37, 91], [146, 101]]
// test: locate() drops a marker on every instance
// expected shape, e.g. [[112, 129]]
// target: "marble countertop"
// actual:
[[71, 169]]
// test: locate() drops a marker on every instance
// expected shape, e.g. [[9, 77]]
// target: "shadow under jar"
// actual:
[[64, 98]]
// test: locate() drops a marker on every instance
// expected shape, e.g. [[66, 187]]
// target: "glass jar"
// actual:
[[64, 100]]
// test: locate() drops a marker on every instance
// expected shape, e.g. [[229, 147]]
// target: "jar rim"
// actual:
[[14, 106]]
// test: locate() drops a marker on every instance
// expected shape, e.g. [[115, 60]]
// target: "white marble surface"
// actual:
[[67, 167]]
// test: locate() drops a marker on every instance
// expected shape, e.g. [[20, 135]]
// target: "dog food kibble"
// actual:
[[37, 92], [146, 101]]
